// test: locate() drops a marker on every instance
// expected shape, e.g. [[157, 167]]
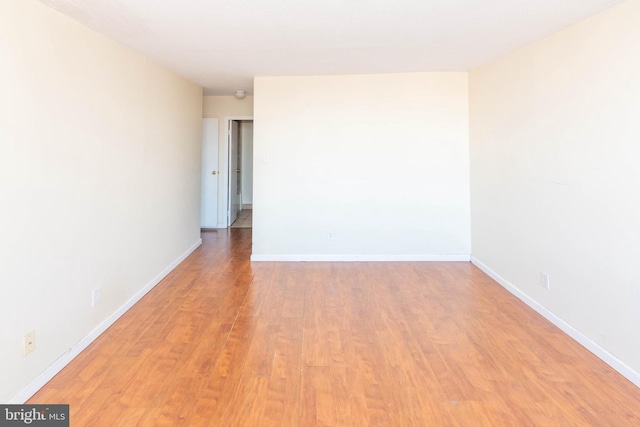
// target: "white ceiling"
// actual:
[[223, 44]]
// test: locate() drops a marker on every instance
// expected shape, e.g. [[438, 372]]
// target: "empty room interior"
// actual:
[[292, 213]]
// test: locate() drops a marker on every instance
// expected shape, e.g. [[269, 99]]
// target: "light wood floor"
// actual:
[[223, 342]]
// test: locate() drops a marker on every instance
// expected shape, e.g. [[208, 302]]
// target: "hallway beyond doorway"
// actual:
[[244, 220]]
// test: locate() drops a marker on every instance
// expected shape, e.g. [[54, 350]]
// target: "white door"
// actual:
[[234, 172], [209, 186]]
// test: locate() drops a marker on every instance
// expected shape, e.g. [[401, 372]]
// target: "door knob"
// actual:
[[237, 170], [214, 173]]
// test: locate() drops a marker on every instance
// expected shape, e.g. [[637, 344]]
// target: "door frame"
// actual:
[[224, 198]]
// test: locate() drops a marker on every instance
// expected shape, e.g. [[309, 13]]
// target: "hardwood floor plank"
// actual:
[[226, 342], [283, 399]]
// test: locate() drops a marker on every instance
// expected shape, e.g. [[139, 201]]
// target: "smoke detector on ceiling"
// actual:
[[240, 94]]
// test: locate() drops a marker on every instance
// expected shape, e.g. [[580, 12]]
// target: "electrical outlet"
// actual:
[[29, 343], [95, 297], [544, 281], [330, 235]]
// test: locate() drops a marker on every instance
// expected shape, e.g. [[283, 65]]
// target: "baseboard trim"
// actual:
[[212, 227], [358, 258], [76, 349], [582, 339]]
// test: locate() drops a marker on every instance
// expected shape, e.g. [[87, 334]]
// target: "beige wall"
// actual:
[[222, 107], [555, 134], [226, 106], [99, 181], [380, 161]]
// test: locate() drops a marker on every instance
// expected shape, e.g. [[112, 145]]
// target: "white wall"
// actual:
[[381, 161], [99, 181], [224, 107], [246, 135], [555, 134]]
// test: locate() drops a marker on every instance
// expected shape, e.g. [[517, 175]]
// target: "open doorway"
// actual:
[[240, 202]]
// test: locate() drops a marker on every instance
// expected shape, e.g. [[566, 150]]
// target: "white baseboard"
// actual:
[[359, 258], [213, 227], [587, 343], [70, 354]]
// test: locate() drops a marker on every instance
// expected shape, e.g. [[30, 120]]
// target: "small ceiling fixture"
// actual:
[[240, 94]]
